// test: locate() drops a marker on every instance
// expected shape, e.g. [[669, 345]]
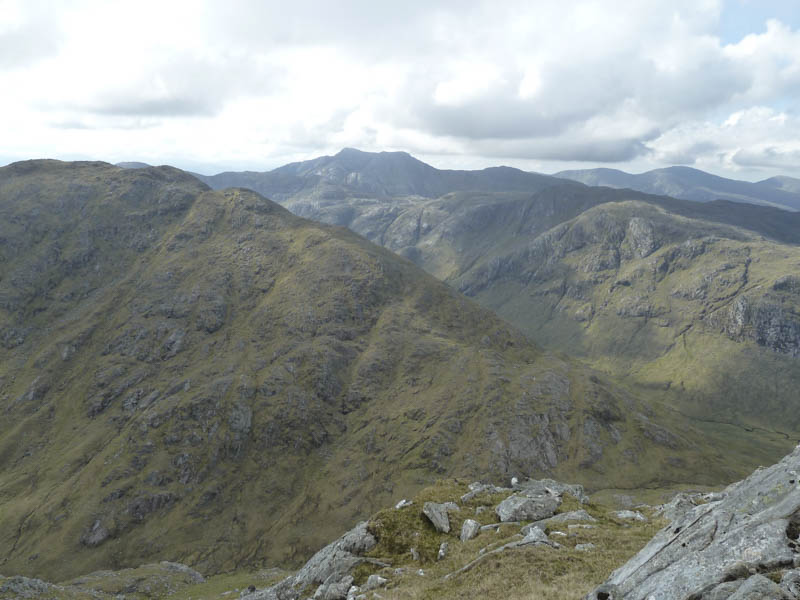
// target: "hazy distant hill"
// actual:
[[355, 174], [202, 376], [693, 184], [787, 184]]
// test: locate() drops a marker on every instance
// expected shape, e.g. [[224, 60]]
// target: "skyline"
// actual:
[[544, 87]]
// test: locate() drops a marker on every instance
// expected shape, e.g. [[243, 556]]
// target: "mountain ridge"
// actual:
[[689, 183]]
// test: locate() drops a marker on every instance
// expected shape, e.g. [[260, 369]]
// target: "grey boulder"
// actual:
[[521, 507], [437, 515], [469, 529]]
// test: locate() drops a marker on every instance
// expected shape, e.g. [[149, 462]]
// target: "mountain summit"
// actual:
[[356, 174]]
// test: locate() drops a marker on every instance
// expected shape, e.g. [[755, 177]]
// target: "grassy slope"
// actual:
[[216, 382], [540, 572]]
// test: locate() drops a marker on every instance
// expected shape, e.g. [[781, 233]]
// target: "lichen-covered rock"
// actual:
[[437, 515], [754, 529]]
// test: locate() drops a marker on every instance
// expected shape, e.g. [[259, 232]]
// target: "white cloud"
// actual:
[[249, 84]]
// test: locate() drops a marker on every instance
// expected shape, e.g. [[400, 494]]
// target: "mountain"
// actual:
[[355, 174], [787, 184], [132, 165], [692, 304], [200, 376], [692, 184]]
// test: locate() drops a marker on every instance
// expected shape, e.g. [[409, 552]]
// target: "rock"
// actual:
[[534, 536], [723, 591], [95, 534], [537, 487], [790, 582], [414, 554], [374, 582], [442, 551], [189, 574], [477, 488], [353, 592], [402, 504], [335, 560], [575, 515], [333, 589], [585, 547], [629, 515], [25, 587], [469, 530], [521, 507], [437, 515], [451, 507], [759, 587], [754, 529]]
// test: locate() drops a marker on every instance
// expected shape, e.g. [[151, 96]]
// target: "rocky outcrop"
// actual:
[[722, 548], [769, 321]]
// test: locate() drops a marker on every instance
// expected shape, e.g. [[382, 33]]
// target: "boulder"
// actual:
[[522, 507], [334, 561], [575, 515], [334, 589], [437, 515], [374, 582], [753, 529], [469, 530], [629, 515], [538, 487], [790, 582], [759, 587]]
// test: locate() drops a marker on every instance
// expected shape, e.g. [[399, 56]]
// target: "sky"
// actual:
[[543, 85]]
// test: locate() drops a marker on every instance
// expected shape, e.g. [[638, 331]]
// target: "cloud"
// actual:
[[28, 33], [634, 81]]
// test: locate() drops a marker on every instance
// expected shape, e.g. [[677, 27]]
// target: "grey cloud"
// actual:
[[575, 148], [768, 157], [186, 86], [690, 154]]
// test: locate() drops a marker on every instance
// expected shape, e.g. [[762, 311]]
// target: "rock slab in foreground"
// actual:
[[713, 547]]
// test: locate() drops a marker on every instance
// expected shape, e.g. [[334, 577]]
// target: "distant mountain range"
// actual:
[[692, 184]]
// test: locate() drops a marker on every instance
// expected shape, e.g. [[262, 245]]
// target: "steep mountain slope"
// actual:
[[705, 315], [203, 377], [355, 174], [692, 184]]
